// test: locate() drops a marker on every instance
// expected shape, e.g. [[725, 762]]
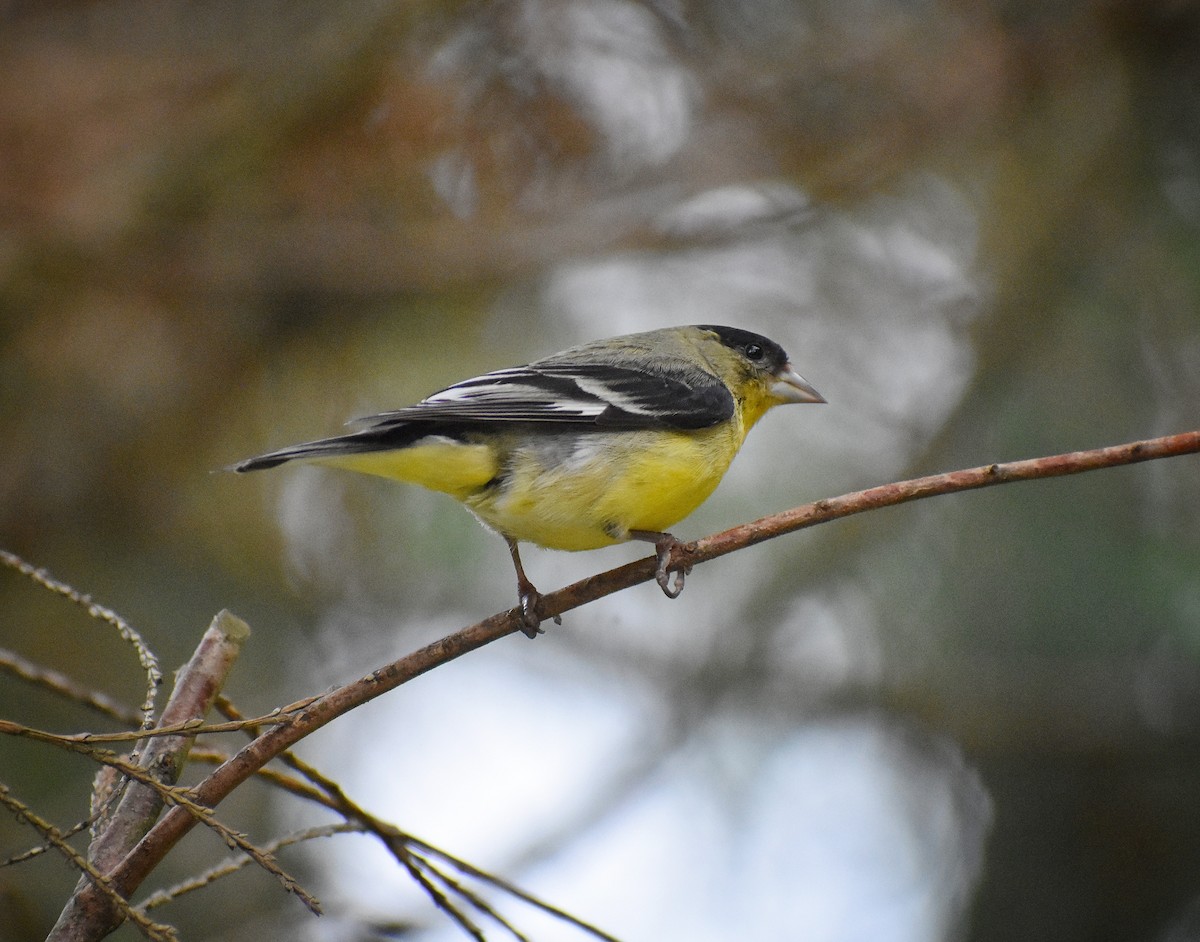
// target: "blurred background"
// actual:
[[230, 226]]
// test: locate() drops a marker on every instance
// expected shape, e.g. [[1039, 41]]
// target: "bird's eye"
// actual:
[[754, 351]]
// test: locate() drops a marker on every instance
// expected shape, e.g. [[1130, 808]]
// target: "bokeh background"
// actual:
[[229, 226]]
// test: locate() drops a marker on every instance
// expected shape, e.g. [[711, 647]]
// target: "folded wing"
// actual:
[[613, 397], [590, 394]]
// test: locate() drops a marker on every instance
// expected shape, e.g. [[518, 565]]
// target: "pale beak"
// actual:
[[790, 386]]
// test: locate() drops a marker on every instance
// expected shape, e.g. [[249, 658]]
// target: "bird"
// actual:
[[605, 442]]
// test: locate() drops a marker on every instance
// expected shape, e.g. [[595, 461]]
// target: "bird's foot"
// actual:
[[662, 576], [664, 544], [529, 597], [531, 619]]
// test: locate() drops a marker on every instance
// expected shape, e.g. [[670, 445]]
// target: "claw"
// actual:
[[663, 577], [665, 544], [530, 619]]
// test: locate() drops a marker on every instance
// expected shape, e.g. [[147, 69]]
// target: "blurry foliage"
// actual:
[[225, 226]]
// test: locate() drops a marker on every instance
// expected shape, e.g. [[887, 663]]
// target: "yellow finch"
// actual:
[[608, 441]]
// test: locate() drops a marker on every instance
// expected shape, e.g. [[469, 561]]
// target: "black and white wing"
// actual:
[[605, 395]]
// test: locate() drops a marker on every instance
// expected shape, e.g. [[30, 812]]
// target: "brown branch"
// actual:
[[173, 825], [117, 769], [90, 913], [58, 840]]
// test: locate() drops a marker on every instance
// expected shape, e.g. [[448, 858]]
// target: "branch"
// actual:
[[234, 864], [125, 630], [62, 685], [175, 823], [58, 840], [90, 913], [405, 847]]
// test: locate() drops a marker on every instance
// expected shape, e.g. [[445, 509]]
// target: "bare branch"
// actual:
[[62, 685], [510, 888], [192, 728], [281, 780], [416, 867], [86, 915], [57, 839], [40, 849], [468, 895], [173, 825], [127, 632], [234, 864], [400, 844]]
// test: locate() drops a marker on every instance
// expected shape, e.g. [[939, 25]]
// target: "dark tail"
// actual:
[[322, 449], [356, 443]]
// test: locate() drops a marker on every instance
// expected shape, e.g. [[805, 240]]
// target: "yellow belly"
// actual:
[[594, 493]]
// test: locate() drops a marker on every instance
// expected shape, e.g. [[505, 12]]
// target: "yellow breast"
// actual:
[[591, 491]]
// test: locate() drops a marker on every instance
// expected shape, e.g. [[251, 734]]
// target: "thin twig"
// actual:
[[173, 825], [401, 842], [180, 796], [511, 888], [126, 631], [57, 839], [190, 727], [67, 688], [330, 794], [234, 864], [413, 864], [40, 849], [468, 895], [281, 780]]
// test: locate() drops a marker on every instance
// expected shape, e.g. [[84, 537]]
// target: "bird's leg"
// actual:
[[530, 598], [664, 543]]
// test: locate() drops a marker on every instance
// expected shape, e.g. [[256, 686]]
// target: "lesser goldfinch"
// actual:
[[608, 441]]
